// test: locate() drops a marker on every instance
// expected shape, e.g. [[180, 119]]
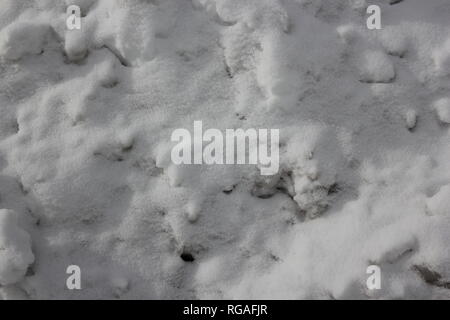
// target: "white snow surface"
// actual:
[[15, 249], [86, 178]]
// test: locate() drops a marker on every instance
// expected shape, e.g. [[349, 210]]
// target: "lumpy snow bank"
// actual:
[[86, 177]]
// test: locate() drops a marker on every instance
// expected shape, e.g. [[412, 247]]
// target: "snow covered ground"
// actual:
[[86, 177]]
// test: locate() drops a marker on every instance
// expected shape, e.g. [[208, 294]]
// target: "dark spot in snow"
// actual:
[[274, 257], [430, 276], [124, 62], [265, 196], [228, 71], [228, 189], [161, 212], [334, 188], [30, 271], [15, 126], [185, 256], [23, 188]]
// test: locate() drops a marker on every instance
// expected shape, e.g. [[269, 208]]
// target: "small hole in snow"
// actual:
[[187, 257]]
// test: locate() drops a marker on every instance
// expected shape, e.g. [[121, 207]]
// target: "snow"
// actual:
[[442, 58], [15, 249], [442, 107], [86, 176], [21, 38], [439, 203], [376, 67], [411, 119]]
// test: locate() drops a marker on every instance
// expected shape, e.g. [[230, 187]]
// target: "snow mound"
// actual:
[[376, 67], [15, 249], [86, 118], [395, 43], [411, 118]]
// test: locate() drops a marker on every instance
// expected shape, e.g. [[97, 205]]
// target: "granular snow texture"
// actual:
[[86, 177]]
